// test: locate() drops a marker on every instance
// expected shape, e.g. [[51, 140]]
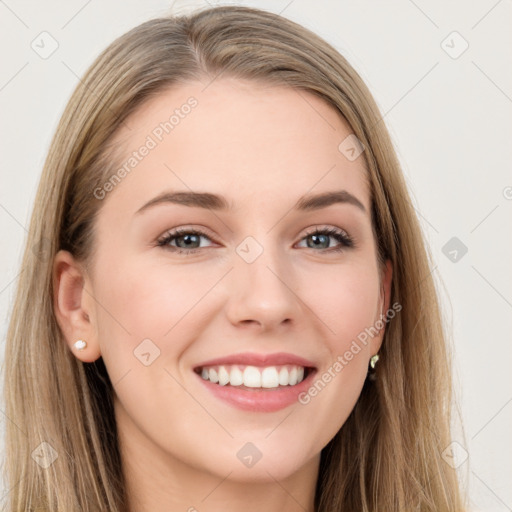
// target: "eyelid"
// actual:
[[176, 232], [326, 227], [347, 240]]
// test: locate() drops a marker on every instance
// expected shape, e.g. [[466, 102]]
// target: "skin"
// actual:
[[262, 147]]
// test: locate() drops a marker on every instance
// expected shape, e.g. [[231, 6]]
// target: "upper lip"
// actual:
[[254, 359]]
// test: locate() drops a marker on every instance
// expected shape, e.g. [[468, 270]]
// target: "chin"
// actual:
[[262, 463]]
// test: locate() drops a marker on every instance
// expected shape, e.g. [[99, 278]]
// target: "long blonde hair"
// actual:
[[387, 456]]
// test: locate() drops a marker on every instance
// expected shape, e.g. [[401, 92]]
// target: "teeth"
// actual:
[[213, 376], [223, 376], [236, 377], [269, 377], [283, 376], [253, 376], [292, 379]]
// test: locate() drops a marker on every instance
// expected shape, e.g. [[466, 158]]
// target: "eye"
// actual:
[[186, 240], [320, 238]]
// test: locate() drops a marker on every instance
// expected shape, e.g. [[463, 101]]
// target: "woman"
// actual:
[[226, 298]]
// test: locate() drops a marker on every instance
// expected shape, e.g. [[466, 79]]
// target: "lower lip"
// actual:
[[259, 399]]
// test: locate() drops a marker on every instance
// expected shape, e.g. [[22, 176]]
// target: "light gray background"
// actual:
[[449, 119]]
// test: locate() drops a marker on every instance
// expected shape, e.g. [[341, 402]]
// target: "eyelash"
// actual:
[[346, 242]]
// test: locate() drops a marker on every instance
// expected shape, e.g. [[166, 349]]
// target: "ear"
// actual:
[[385, 299], [74, 306]]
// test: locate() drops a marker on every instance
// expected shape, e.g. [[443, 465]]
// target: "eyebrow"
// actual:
[[220, 203]]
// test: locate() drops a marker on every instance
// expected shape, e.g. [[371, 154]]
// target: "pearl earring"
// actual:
[[80, 344]]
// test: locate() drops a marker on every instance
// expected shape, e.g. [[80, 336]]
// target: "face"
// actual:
[[254, 288]]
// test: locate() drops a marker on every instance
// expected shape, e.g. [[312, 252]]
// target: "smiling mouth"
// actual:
[[254, 377]]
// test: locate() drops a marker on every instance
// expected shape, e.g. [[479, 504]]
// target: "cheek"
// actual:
[[139, 301], [345, 301]]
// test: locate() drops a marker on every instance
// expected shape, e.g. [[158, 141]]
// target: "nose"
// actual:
[[262, 293]]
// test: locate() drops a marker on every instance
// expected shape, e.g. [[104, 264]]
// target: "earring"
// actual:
[[371, 368], [80, 344]]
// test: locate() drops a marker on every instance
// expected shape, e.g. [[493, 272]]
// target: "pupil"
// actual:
[[188, 239], [317, 241]]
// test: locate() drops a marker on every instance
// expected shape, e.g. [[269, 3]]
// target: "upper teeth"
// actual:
[[253, 376]]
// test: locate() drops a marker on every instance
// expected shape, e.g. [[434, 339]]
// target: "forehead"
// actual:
[[242, 139]]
